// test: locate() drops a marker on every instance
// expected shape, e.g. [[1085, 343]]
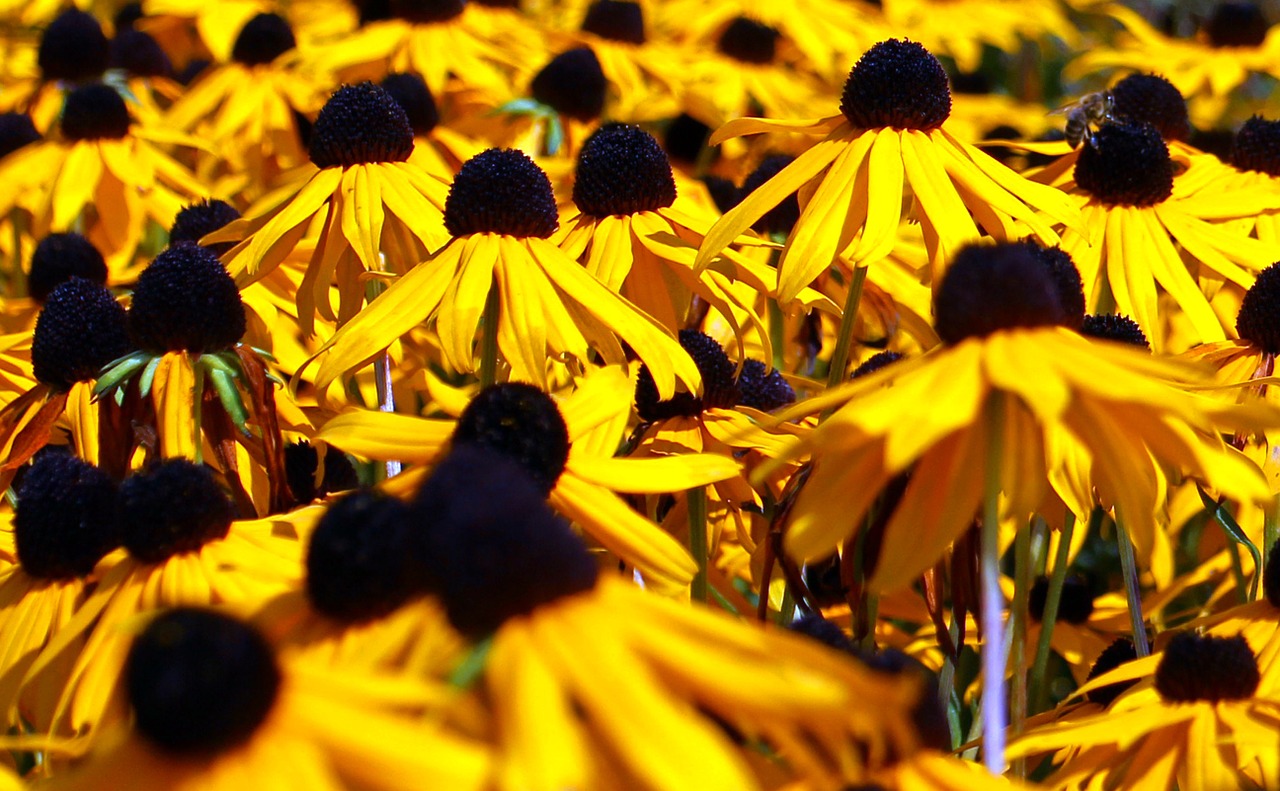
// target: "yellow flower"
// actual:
[[214, 709], [1061, 410], [1137, 214], [372, 210], [184, 549], [1234, 43], [588, 426], [579, 657], [890, 137], [962, 29], [248, 107], [538, 303], [104, 173], [1199, 718]]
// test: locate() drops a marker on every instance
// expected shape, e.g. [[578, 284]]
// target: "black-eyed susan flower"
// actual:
[[617, 667], [359, 147], [186, 319], [103, 174], [538, 304], [213, 707], [630, 235], [57, 258], [642, 71], [751, 71], [961, 30], [412, 35], [1235, 41], [889, 140], [72, 50], [80, 329], [364, 605], [67, 521], [185, 548], [1017, 417], [567, 448], [802, 30], [1254, 167], [1140, 222], [248, 107], [437, 149], [1200, 717], [992, 345]]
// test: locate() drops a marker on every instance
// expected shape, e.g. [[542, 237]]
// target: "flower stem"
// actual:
[[994, 714], [1051, 601], [1129, 568], [1270, 532], [1022, 562], [844, 340], [697, 503], [386, 399], [489, 341]]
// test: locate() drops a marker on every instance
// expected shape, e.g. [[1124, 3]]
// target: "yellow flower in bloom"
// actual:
[[62, 537], [538, 303], [1200, 717], [213, 709], [579, 658], [1234, 42], [184, 549], [633, 234], [581, 483], [962, 29], [81, 329], [437, 39], [1137, 214], [104, 173], [248, 106], [889, 139], [802, 26], [372, 210], [1005, 378]]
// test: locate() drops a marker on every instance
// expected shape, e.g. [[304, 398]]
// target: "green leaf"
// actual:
[[1229, 526], [117, 372], [229, 395], [148, 375], [472, 665], [555, 134]]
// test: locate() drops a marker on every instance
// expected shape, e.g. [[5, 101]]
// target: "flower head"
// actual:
[[501, 191], [80, 329], [58, 258], [95, 112], [360, 124], [615, 149], [68, 517], [199, 682], [899, 84], [73, 48], [174, 507], [185, 300]]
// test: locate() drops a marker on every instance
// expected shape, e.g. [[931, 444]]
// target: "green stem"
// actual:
[[871, 605], [787, 613], [489, 341], [1021, 587], [197, 409], [1270, 532], [777, 322], [947, 696], [1132, 593], [698, 542], [840, 355], [994, 713], [1051, 601], [1237, 571], [382, 373]]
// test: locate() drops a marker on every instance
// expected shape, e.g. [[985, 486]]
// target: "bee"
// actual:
[[1085, 116]]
